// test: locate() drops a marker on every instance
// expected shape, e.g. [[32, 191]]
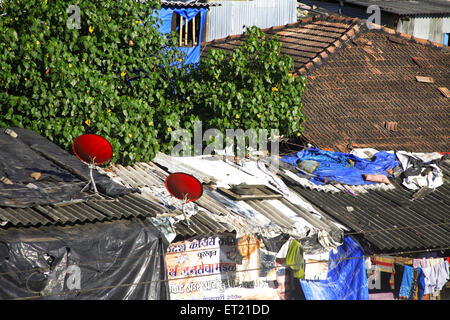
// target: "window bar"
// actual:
[[181, 31], [194, 43], [186, 32]]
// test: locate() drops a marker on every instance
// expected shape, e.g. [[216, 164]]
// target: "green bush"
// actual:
[[64, 82], [251, 87], [118, 77]]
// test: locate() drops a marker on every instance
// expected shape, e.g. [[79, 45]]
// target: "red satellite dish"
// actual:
[[92, 149], [184, 186]]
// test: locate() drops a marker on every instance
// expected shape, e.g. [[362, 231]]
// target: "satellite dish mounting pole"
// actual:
[[91, 175], [185, 201]]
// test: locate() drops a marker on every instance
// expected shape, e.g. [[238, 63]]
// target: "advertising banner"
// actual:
[[225, 268]]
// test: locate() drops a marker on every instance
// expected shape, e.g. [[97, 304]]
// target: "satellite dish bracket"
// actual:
[[183, 207], [91, 176]]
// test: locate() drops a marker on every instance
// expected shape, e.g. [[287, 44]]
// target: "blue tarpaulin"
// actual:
[[346, 278], [165, 26], [336, 165]]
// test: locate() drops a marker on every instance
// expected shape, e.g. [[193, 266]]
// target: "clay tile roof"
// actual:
[[367, 86], [359, 80], [304, 41]]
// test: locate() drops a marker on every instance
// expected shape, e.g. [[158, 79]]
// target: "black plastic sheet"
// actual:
[[62, 175], [121, 260]]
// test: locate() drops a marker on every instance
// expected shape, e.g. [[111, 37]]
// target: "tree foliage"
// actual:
[[251, 87], [116, 76]]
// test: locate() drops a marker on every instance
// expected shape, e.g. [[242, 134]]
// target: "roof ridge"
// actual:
[[357, 28], [302, 21], [405, 36], [352, 32]]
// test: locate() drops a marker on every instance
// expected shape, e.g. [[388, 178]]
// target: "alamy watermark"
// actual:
[[251, 143], [74, 19], [375, 17]]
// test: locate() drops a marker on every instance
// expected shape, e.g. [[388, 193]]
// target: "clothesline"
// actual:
[[419, 276]]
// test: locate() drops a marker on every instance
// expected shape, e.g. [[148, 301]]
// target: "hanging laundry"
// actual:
[[426, 262], [430, 280], [346, 279], [403, 260], [316, 267], [421, 169], [436, 272], [291, 255], [442, 274], [384, 263], [341, 167], [413, 284], [295, 260]]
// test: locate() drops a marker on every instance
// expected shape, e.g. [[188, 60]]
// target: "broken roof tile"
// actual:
[[421, 62], [445, 92], [391, 125], [397, 40], [424, 79]]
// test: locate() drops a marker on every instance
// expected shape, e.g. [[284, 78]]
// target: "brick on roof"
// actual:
[[362, 89]]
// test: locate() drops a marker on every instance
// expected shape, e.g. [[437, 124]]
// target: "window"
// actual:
[[189, 33]]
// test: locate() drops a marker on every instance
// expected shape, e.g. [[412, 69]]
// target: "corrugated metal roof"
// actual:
[[96, 209], [150, 179], [232, 17], [46, 186], [203, 223], [216, 212], [402, 7]]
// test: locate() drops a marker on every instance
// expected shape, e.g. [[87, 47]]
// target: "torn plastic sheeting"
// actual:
[[414, 169], [335, 166], [346, 277], [94, 261]]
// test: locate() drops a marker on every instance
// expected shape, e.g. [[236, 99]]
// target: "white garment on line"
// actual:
[[436, 274], [430, 279], [442, 274]]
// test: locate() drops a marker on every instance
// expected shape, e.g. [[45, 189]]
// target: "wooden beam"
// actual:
[[207, 24], [181, 31], [193, 32], [186, 32]]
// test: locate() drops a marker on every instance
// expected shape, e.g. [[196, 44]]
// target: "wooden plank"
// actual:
[[193, 32], [186, 24], [181, 32], [207, 26]]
